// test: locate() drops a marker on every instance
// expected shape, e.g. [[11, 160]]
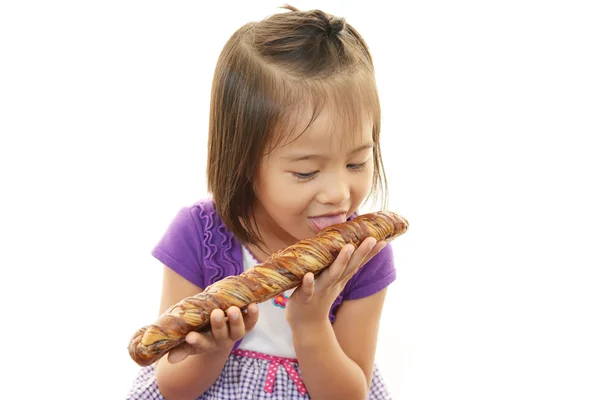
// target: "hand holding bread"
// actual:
[[284, 270]]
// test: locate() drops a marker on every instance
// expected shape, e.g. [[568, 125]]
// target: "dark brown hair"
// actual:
[[268, 75]]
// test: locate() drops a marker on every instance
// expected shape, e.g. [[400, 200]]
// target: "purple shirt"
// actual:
[[198, 246]]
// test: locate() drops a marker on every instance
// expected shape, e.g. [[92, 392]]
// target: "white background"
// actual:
[[490, 127]]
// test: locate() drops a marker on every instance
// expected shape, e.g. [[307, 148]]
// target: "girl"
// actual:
[[293, 148]]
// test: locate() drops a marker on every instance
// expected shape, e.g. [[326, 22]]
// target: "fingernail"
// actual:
[[219, 317], [372, 244], [233, 315], [310, 279]]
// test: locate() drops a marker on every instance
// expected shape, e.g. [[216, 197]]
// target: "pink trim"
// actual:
[[272, 371]]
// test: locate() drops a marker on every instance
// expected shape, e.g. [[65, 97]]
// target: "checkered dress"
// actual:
[[244, 378]]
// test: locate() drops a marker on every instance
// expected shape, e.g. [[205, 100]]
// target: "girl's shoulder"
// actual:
[[200, 222], [199, 246]]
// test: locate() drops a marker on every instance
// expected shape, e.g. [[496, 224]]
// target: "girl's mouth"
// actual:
[[323, 221]]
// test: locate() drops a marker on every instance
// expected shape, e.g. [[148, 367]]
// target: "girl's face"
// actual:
[[315, 181]]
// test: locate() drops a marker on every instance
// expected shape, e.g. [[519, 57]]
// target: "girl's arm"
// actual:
[[337, 361], [181, 374], [191, 377]]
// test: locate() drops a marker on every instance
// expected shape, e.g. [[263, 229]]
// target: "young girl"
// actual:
[[293, 148]]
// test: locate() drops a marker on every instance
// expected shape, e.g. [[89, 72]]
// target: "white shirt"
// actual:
[[272, 334]]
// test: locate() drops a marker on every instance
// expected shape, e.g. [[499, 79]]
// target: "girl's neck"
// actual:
[[273, 237]]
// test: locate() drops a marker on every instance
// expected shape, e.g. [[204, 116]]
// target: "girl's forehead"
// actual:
[[340, 111], [328, 132]]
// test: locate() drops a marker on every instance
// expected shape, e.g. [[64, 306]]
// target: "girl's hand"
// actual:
[[223, 334], [312, 300]]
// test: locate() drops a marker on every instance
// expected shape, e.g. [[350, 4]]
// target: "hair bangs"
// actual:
[[352, 101]]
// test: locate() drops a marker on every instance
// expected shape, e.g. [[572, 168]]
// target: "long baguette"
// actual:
[[284, 270]]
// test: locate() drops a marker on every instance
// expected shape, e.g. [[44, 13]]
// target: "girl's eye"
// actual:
[[357, 167], [305, 176]]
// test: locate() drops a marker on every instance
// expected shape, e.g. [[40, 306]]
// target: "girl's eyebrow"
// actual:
[[302, 157]]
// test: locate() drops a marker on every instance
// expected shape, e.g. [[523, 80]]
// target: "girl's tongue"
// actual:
[[320, 223]]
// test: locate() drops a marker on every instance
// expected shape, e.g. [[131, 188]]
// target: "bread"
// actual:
[[284, 270]]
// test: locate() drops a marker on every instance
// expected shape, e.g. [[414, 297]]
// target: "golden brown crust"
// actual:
[[284, 270]]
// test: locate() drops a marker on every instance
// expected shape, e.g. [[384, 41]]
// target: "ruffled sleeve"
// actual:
[[198, 246], [180, 248]]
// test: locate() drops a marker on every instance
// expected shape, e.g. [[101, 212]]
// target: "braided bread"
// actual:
[[284, 270]]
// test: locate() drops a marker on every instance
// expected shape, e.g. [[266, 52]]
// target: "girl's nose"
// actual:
[[335, 191]]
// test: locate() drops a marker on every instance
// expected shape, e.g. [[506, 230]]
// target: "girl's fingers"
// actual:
[[194, 343], [358, 258], [251, 317], [331, 276], [307, 288], [220, 332], [180, 353], [236, 323]]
